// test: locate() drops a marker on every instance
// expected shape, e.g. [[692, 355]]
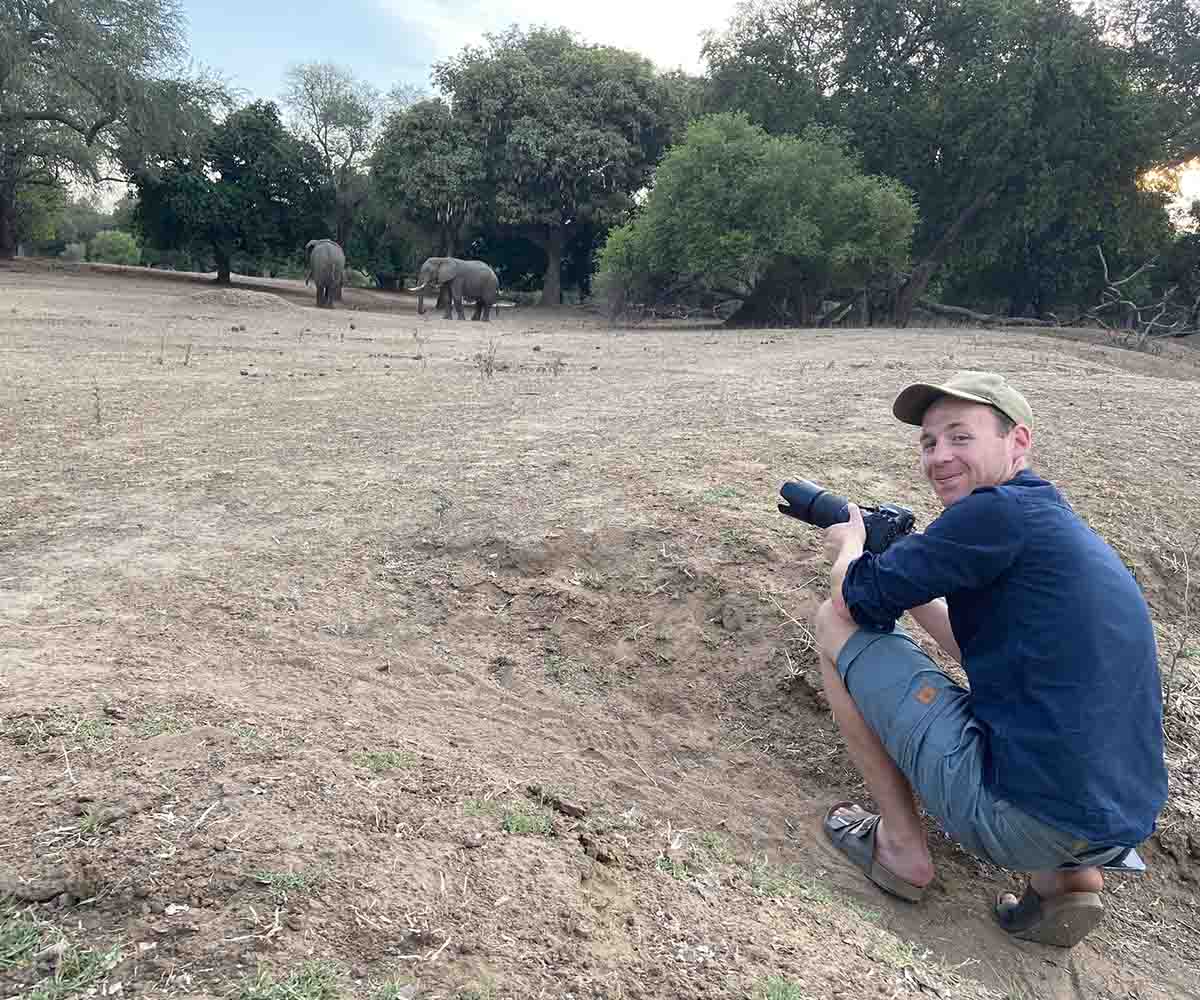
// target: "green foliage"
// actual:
[[115, 247], [776, 221], [76, 970], [38, 213], [380, 761], [428, 170], [778, 988], [567, 132], [87, 83], [314, 980], [526, 818], [254, 190], [336, 112], [1018, 125], [74, 252]]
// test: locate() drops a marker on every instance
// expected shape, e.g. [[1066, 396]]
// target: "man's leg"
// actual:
[[900, 843]]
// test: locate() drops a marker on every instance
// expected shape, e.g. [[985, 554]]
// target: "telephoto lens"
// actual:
[[813, 505]]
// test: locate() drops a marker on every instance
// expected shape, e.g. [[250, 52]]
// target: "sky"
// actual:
[[251, 43]]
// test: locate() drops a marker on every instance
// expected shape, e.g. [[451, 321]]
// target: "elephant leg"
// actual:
[[478, 310], [487, 311], [458, 306]]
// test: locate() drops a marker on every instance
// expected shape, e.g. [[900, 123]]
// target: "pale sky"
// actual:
[[252, 42]]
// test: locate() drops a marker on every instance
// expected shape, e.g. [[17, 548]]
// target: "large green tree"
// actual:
[[991, 111], [253, 191], [85, 84], [568, 132], [777, 222], [428, 168]]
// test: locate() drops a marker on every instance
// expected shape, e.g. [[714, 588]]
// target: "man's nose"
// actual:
[[940, 452]]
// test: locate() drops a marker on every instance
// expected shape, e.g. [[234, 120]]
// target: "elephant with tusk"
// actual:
[[472, 278], [327, 268]]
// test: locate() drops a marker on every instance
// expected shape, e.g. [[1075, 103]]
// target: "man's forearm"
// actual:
[[934, 618], [837, 576]]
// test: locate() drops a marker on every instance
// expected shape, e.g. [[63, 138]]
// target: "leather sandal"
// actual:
[[1062, 921], [852, 835]]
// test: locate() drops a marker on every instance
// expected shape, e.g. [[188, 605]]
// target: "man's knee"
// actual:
[[832, 630]]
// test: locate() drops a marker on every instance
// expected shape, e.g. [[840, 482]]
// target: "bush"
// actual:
[[357, 279], [776, 221], [115, 247], [74, 251]]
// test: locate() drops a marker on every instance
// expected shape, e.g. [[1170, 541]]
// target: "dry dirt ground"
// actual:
[[356, 654]]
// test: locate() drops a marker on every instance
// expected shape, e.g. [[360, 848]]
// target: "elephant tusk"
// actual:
[[420, 287]]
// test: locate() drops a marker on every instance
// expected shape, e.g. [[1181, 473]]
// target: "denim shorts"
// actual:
[[925, 723]]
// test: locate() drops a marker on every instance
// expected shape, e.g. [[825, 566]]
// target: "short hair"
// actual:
[[1004, 423]]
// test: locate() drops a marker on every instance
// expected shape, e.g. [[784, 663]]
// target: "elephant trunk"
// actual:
[[420, 304]]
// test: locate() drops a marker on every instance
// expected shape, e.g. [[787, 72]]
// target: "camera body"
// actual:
[[814, 505]]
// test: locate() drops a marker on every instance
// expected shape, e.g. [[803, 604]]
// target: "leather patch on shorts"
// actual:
[[926, 694]]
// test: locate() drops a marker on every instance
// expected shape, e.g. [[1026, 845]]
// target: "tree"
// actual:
[[1162, 38], [84, 84], [568, 132], [254, 191], [336, 112], [990, 112], [428, 167], [774, 221], [115, 247], [38, 214]]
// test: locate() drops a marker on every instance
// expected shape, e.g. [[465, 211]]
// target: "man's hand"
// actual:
[[850, 534]]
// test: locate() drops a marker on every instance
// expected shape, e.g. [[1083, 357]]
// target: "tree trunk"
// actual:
[[222, 256], [782, 297], [553, 243], [914, 288], [8, 224]]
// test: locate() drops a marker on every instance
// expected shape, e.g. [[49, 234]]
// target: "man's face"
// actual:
[[962, 448]]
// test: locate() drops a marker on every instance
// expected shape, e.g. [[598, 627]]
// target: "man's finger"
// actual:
[[855, 513]]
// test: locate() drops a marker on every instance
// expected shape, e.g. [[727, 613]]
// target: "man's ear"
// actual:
[[1023, 439]]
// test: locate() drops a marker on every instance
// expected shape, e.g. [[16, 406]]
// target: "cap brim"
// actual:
[[911, 404]]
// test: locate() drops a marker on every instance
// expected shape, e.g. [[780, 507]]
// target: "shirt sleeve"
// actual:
[[968, 547]]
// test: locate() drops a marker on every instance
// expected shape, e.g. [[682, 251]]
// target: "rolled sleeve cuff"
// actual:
[[861, 602]]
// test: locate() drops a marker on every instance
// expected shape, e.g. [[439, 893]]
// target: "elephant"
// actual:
[[327, 268], [472, 278]]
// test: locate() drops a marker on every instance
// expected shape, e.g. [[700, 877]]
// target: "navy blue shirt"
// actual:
[[1057, 644]]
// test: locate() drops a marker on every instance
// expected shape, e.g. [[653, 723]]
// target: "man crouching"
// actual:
[[1052, 763]]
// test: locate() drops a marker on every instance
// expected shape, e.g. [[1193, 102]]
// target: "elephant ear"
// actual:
[[447, 268]]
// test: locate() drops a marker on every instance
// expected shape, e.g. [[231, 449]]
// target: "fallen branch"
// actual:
[[984, 319]]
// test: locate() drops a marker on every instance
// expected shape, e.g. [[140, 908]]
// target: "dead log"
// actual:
[[983, 319]]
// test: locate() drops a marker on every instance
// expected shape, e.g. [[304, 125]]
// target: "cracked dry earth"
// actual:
[[338, 660]]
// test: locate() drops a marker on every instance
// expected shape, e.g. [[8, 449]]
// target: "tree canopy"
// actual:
[[254, 190], [87, 84], [338, 114], [568, 132], [997, 115], [429, 169], [774, 221]]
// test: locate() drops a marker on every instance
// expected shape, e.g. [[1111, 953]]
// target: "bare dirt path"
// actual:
[[426, 658]]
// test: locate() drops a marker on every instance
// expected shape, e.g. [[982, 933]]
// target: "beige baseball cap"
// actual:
[[975, 387]]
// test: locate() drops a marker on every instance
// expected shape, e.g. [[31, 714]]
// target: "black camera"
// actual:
[[811, 504]]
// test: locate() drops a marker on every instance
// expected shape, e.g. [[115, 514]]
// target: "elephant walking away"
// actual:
[[472, 278], [327, 265]]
